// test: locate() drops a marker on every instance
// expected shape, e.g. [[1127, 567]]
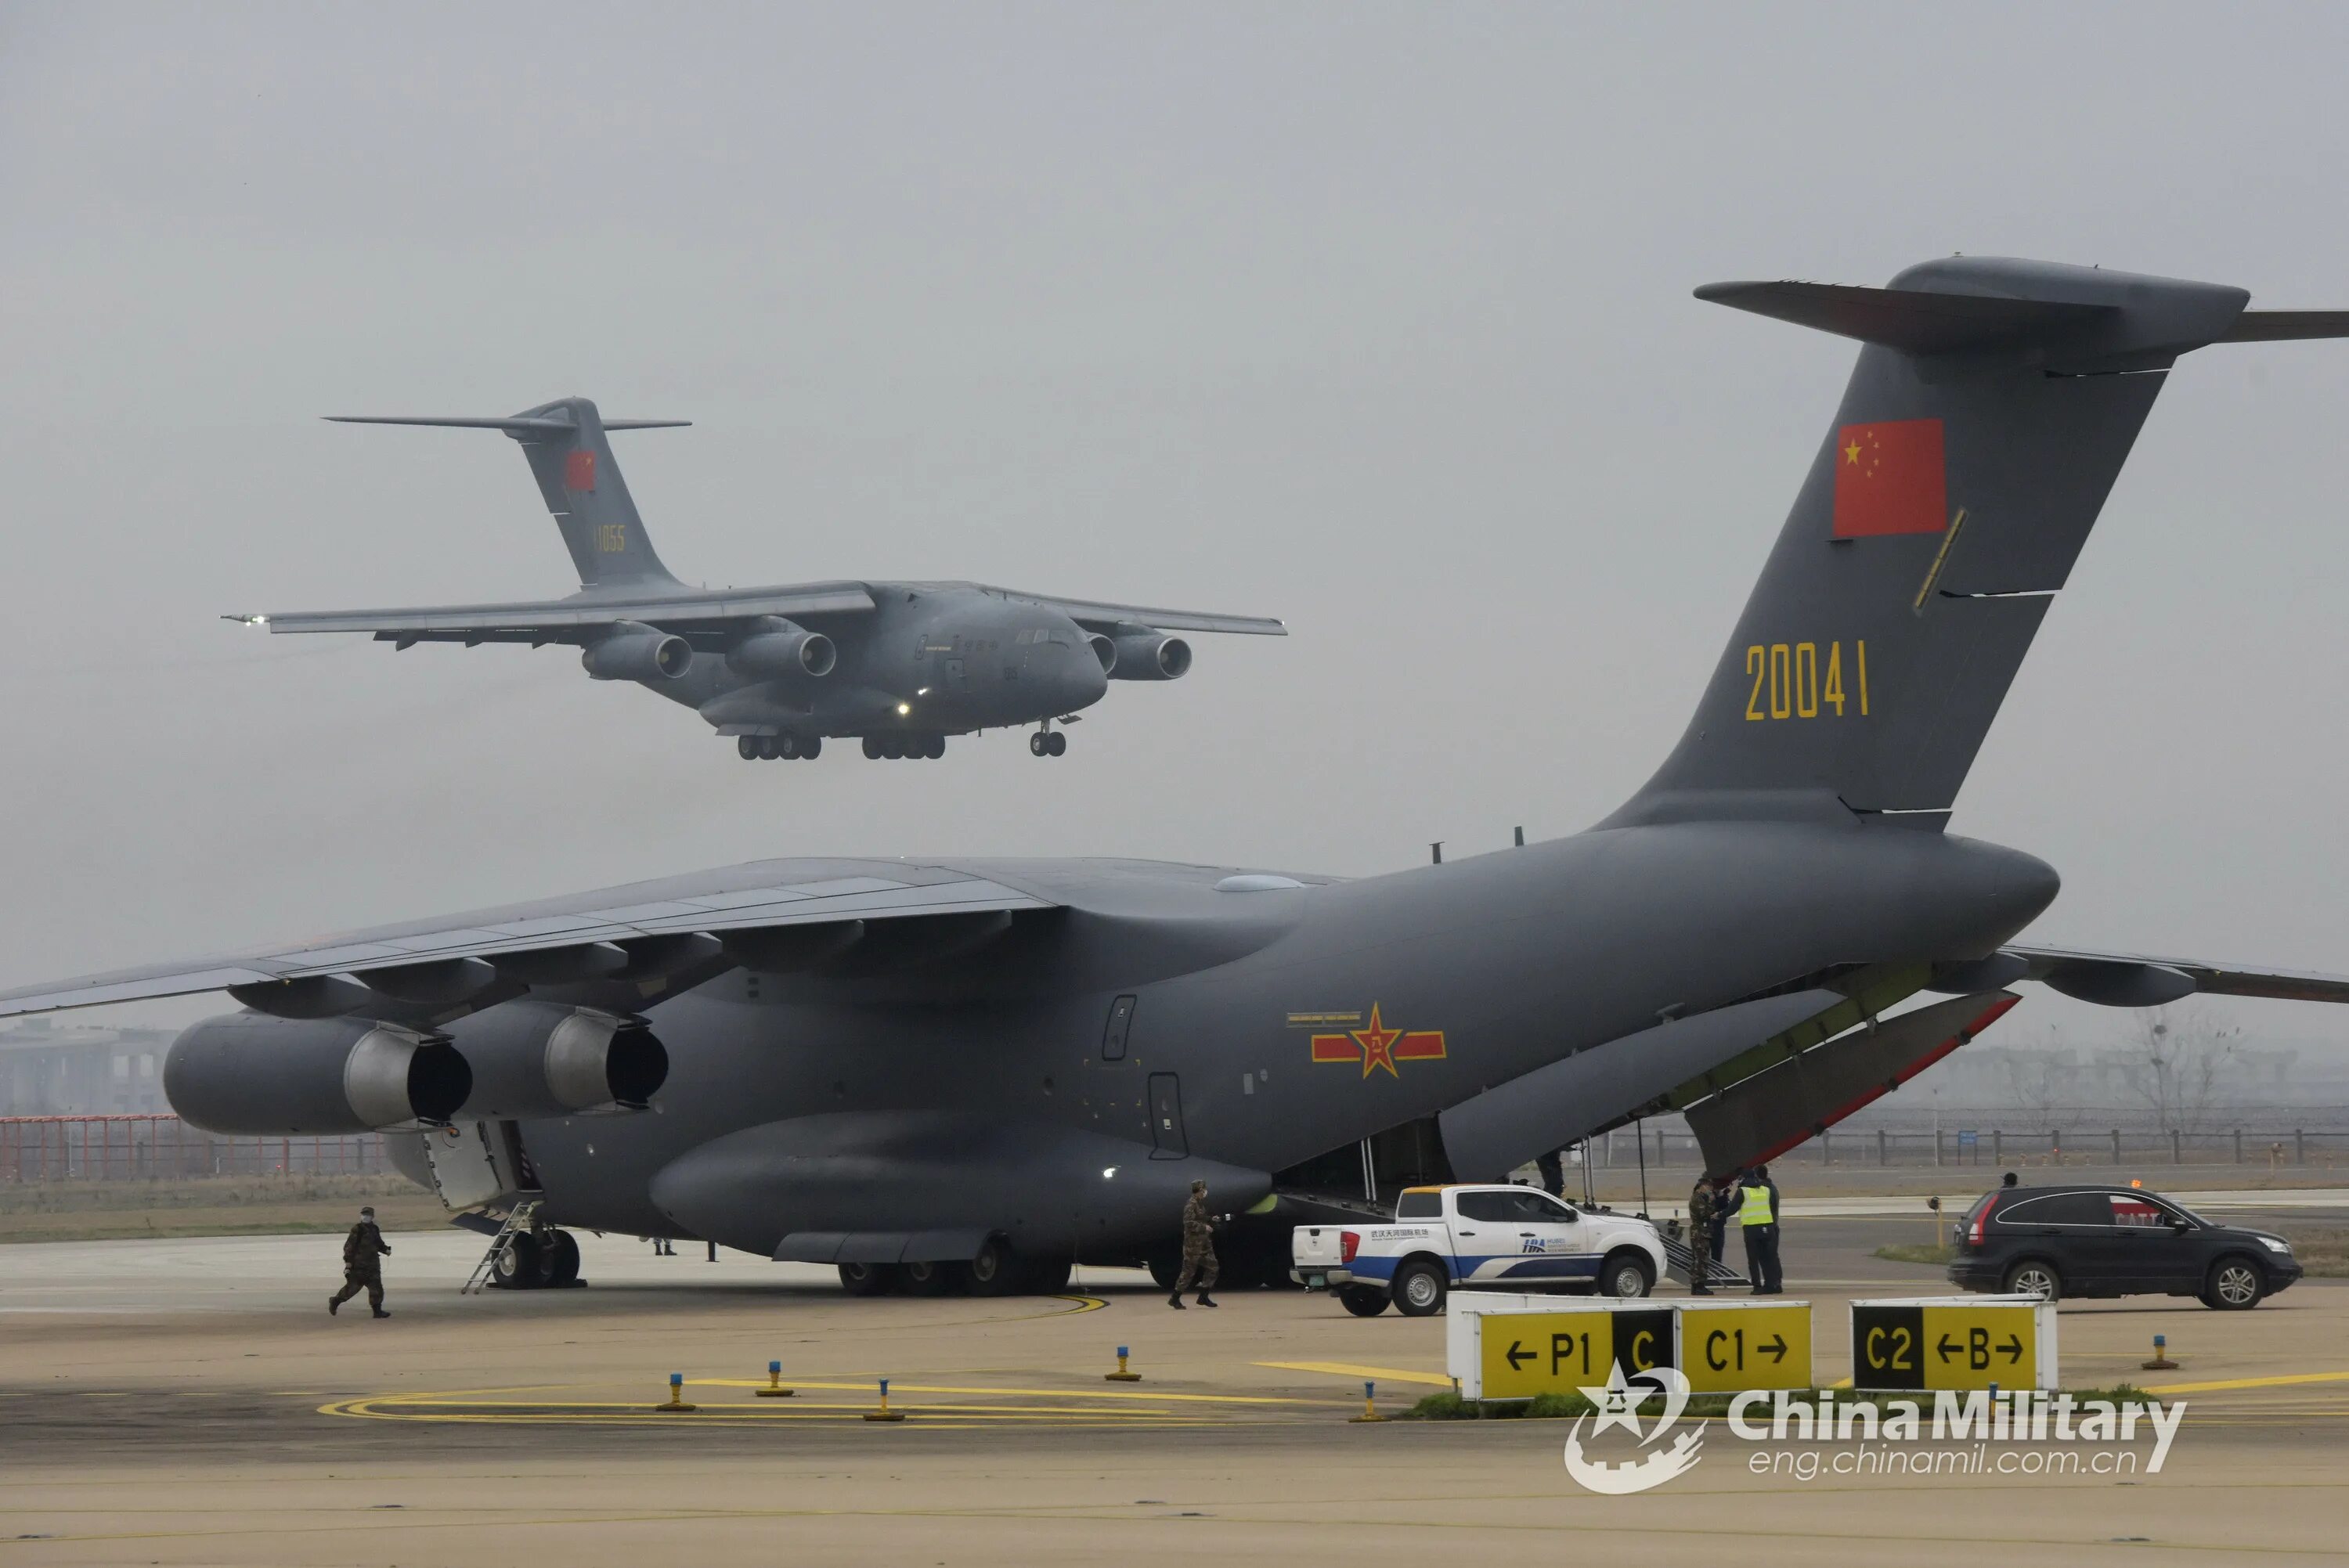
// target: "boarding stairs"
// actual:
[[519, 1220]]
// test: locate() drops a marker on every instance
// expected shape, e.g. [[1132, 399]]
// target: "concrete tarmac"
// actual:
[[191, 1402]]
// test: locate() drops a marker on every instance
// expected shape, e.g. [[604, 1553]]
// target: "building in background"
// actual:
[[77, 1070]]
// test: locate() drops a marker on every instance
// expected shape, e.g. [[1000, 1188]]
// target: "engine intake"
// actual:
[[248, 1074], [780, 650], [633, 651], [1146, 655], [534, 1059]]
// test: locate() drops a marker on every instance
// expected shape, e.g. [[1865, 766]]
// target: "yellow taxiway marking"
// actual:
[[964, 1404], [2290, 1380], [1347, 1369]]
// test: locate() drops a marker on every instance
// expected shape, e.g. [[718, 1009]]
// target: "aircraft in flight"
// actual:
[[940, 1073], [902, 666]]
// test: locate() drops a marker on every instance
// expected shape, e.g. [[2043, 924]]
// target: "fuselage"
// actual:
[[925, 661], [1285, 1021]]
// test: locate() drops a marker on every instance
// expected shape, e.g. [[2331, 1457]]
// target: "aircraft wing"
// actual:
[[1097, 615], [564, 620], [618, 934], [2136, 980]]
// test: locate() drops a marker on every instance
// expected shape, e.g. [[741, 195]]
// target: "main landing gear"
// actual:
[[537, 1260], [773, 748], [898, 746], [997, 1269], [1047, 742]]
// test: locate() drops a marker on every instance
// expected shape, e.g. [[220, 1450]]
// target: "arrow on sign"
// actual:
[[2013, 1347], [1776, 1346], [1947, 1348], [1517, 1354]]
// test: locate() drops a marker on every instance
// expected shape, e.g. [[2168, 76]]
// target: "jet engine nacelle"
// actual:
[[535, 1058], [248, 1074], [780, 650], [1145, 656], [633, 651]]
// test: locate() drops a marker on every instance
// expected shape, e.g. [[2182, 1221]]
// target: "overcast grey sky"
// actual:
[[1373, 317]]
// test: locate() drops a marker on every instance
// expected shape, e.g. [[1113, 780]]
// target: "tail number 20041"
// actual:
[[1790, 680]]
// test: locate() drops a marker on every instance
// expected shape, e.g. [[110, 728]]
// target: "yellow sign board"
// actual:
[[1529, 1353], [1729, 1348], [1946, 1344]]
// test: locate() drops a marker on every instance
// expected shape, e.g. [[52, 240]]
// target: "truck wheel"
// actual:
[[867, 1279], [1624, 1275], [2235, 1284], [1419, 1289], [1362, 1301]]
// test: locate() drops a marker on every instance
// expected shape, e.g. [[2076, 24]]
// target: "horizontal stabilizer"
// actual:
[[517, 427], [1759, 1119], [2287, 325], [2136, 980], [1914, 321]]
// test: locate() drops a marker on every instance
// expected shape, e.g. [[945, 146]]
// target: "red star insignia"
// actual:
[[1378, 1045]]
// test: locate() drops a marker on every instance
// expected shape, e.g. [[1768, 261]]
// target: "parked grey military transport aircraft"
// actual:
[[938, 1072], [902, 665]]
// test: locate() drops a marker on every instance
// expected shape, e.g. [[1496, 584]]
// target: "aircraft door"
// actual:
[[1167, 1139], [1121, 1020]]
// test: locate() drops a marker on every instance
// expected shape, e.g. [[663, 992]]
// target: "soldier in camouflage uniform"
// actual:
[[1198, 1250], [1703, 1205], [364, 1251]]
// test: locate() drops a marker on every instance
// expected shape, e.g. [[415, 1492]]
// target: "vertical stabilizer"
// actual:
[[1989, 415], [572, 460]]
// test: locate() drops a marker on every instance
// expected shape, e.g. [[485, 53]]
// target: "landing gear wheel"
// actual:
[[934, 747], [2032, 1277], [521, 1266], [746, 747], [562, 1262], [771, 746], [867, 1279], [788, 747], [926, 1278], [1362, 1301], [1419, 1289], [1036, 744], [873, 747], [812, 748], [1049, 1276], [1056, 744], [2235, 1284], [1165, 1270], [996, 1270]]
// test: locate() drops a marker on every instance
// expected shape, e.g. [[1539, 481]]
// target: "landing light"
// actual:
[[904, 708], [1110, 1172]]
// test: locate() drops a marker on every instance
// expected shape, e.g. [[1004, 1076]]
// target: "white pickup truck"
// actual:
[[1519, 1237]]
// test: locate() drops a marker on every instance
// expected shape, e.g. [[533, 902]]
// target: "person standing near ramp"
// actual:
[[1757, 1215], [364, 1251], [1198, 1250]]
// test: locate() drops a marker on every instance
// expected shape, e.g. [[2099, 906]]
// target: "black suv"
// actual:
[[2113, 1241]]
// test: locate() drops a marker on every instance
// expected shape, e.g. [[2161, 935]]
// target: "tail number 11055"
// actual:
[[1793, 680]]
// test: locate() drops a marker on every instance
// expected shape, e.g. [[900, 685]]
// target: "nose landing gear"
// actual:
[[1047, 741]]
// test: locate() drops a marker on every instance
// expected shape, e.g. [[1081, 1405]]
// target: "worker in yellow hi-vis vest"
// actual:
[[1757, 1216]]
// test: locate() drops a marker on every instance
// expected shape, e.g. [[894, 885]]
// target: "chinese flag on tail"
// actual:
[[1890, 479], [579, 471]]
